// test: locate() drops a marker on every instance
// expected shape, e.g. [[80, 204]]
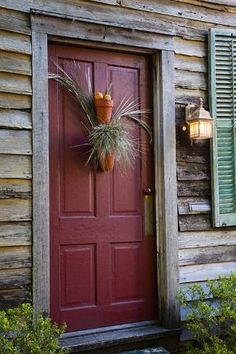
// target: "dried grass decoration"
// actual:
[[108, 134]]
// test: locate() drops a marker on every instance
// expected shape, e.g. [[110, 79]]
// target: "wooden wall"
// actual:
[[15, 157], [204, 252]]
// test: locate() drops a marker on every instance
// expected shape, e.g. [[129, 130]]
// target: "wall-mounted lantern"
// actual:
[[199, 121]]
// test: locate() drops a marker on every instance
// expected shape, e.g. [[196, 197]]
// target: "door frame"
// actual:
[[88, 32]]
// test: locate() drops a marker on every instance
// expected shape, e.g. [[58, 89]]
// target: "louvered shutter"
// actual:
[[222, 50]]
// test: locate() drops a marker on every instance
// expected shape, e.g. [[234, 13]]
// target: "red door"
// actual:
[[102, 263]]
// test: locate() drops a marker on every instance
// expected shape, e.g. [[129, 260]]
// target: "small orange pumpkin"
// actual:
[[98, 95]]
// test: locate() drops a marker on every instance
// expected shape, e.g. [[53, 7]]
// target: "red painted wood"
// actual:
[[102, 264]]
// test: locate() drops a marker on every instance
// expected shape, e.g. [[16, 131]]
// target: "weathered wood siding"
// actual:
[[203, 252], [15, 157]]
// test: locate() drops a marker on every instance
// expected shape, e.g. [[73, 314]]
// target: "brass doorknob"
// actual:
[[147, 191]]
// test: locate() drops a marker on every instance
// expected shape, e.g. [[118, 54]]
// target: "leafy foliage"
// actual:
[[212, 323], [113, 137], [20, 333]]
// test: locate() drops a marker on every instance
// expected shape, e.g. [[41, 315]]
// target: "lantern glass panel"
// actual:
[[201, 129], [205, 128], [194, 130]]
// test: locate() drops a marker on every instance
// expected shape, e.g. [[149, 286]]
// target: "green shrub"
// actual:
[[21, 334], [212, 323]]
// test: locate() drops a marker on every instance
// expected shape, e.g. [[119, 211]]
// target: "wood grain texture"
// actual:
[[193, 171], [15, 188], [190, 48], [188, 10], [40, 173], [167, 192], [192, 64], [129, 18], [15, 166], [193, 189], [202, 272], [100, 33], [224, 5], [14, 209], [14, 21], [17, 142], [14, 278], [11, 101], [129, 11], [195, 222], [189, 240], [15, 234], [186, 96], [207, 255], [15, 119], [15, 63], [15, 42], [192, 153], [11, 83], [15, 257], [190, 80], [10, 298]]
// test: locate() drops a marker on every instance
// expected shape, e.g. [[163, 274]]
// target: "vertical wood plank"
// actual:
[[40, 174], [167, 190]]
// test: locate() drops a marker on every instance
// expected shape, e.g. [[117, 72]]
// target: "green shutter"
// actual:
[[222, 70]]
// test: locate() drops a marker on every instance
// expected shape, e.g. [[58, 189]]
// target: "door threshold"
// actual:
[[116, 338], [108, 328]]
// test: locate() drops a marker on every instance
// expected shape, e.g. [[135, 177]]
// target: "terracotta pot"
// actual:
[[103, 110], [107, 162]]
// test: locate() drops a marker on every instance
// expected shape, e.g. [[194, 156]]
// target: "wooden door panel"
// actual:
[[126, 270], [78, 264], [109, 230], [102, 264], [123, 184], [78, 183]]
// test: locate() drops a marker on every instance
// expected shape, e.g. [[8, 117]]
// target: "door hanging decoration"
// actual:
[[109, 134]]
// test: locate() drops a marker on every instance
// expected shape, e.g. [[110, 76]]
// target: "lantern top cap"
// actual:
[[199, 112]]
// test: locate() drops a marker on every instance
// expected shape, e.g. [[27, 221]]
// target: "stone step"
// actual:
[[159, 350], [118, 339]]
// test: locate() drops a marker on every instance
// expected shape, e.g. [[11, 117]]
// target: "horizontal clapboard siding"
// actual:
[[13, 101], [15, 21], [15, 278], [15, 166], [11, 83], [189, 23], [15, 42], [189, 240], [203, 272], [15, 188], [14, 119], [16, 142], [15, 257], [10, 298], [15, 157], [15, 209], [15, 63], [15, 234]]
